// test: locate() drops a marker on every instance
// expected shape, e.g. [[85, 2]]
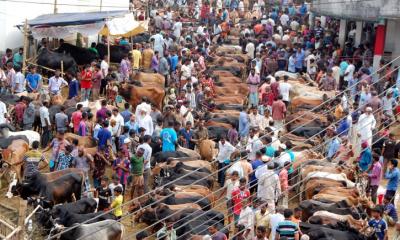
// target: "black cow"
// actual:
[[161, 157], [327, 232], [170, 199], [82, 56], [9, 99], [223, 106], [104, 230], [141, 38], [116, 52], [58, 191], [53, 60], [68, 218], [186, 179], [233, 121], [215, 132], [234, 70], [309, 207], [5, 142]]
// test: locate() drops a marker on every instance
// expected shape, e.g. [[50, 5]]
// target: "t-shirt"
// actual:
[[219, 236], [76, 119], [284, 89], [230, 186], [137, 57], [61, 119], [104, 67], [104, 135], [287, 229], [32, 160], [380, 226], [104, 198], [278, 110], [137, 165], [391, 211], [168, 137], [3, 111], [44, 114], [117, 204], [237, 197], [33, 80]]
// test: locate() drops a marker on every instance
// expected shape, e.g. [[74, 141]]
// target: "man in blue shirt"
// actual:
[[18, 58], [344, 126], [255, 164], [244, 125], [392, 174], [299, 59], [32, 80], [73, 87], [378, 224], [168, 138], [365, 158], [333, 145], [104, 136], [126, 114]]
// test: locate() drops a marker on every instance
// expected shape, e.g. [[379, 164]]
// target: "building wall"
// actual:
[[365, 10], [15, 13]]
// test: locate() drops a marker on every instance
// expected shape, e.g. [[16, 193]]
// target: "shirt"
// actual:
[[275, 219], [137, 57], [376, 174], [147, 154], [20, 80], [287, 229], [44, 116], [380, 227], [283, 178], [3, 111], [390, 209], [284, 89], [104, 67], [76, 119], [237, 197], [225, 151], [55, 84], [104, 197], [64, 161], [278, 110], [137, 165], [31, 162], [104, 135], [122, 174], [262, 219], [393, 177], [61, 120], [350, 71], [73, 88], [333, 147], [33, 80], [168, 137], [230, 186]]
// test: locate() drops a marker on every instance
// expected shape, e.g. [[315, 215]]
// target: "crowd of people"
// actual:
[[275, 38]]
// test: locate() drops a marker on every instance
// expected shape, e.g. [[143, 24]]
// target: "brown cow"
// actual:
[[86, 141], [149, 78], [352, 192], [316, 184], [332, 218], [206, 149], [230, 100], [229, 80], [312, 168], [134, 94], [338, 197], [51, 176], [241, 89], [222, 73], [14, 154], [204, 191], [217, 124]]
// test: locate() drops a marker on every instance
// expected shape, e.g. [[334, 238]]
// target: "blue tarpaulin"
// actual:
[[65, 19]]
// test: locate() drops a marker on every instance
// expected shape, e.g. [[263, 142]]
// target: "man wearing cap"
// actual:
[[366, 123], [269, 188], [145, 121]]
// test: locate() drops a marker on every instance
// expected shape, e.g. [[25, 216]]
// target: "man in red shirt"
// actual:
[[19, 111], [86, 83], [238, 195], [76, 118], [278, 112]]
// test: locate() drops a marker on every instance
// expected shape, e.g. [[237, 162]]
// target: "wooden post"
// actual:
[[62, 68], [25, 46], [108, 46], [21, 218]]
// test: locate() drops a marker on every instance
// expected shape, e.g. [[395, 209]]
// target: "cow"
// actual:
[[309, 207], [67, 219], [7, 131], [313, 186], [198, 165], [317, 231], [206, 149], [86, 141], [333, 218], [134, 94], [13, 156], [215, 132], [53, 60], [103, 230], [338, 197], [82, 56], [117, 53], [171, 198], [149, 78], [63, 189], [5, 142], [161, 157]]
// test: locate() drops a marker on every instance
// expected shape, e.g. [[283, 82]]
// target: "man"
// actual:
[[104, 136], [278, 112], [145, 121], [225, 151], [333, 143], [76, 118], [201, 132], [61, 120], [45, 123], [84, 162], [261, 233], [126, 114], [18, 82], [254, 144], [284, 90], [348, 73], [56, 83], [392, 175], [82, 129], [328, 83], [262, 216], [269, 188], [119, 123], [33, 80], [147, 55], [366, 123], [287, 228], [137, 162], [163, 69], [101, 113], [136, 57], [284, 181], [168, 137], [275, 219], [104, 70], [32, 160], [244, 125], [239, 195], [177, 28], [29, 116], [18, 58], [215, 234], [374, 177], [147, 157], [158, 42]]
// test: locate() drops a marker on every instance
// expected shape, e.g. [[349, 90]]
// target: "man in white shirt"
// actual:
[[275, 219], [119, 122], [366, 123], [18, 81], [284, 90], [255, 119], [269, 186], [186, 113], [3, 112], [284, 19], [56, 83], [147, 157], [250, 49], [348, 74], [45, 122], [254, 144], [246, 218], [158, 41], [225, 151], [145, 121], [104, 66], [177, 28], [336, 74]]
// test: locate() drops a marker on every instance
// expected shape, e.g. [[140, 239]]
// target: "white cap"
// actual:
[[283, 146], [127, 140]]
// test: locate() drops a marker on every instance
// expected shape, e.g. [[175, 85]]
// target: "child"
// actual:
[[104, 194], [122, 168], [115, 183], [379, 225], [390, 213], [230, 184], [112, 91], [312, 71], [117, 203]]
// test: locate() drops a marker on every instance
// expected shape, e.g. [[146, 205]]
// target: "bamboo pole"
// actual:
[[21, 217], [62, 68], [108, 46], [24, 54]]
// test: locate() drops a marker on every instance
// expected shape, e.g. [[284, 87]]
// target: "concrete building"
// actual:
[[14, 12], [384, 14]]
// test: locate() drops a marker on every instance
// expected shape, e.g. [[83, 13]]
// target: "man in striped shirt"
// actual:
[[287, 228]]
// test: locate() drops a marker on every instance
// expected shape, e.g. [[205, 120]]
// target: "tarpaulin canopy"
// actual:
[[114, 23]]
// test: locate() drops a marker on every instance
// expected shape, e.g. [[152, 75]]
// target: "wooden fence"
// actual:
[[12, 221]]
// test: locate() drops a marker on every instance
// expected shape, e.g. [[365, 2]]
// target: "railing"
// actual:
[[8, 231]]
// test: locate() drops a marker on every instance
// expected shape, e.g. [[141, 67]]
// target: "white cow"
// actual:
[[341, 177], [30, 135]]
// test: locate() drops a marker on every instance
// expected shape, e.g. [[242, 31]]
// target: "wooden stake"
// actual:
[[21, 217], [25, 46], [108, 46], [62, 68]]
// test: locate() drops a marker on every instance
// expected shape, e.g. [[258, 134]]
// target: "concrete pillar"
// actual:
[[380, 34], [323, 21], [311, 20], [342, 32], [357, 40], [396, 43]]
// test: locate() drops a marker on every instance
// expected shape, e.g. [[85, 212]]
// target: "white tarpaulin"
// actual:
[[67, 31]]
